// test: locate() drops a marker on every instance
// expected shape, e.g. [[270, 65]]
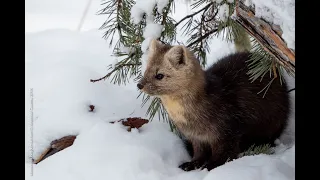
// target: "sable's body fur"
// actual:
[[217, 110]]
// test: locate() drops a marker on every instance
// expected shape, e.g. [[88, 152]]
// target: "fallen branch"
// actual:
[[56, 146], [269, 36], [67, 141]]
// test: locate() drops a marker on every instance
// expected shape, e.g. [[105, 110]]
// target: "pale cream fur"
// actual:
[[182, 90], [174, 108]]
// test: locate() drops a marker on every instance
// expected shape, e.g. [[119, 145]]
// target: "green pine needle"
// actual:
[[255, 150], [200, 29], [261, 63]]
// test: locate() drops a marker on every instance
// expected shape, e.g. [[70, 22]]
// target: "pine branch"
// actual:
[[255, 150], [164, 15], [230, 29], [213, 17], [114, 70], [169, 31], [193, 14], [131, 35], [202, 37], [260, 63], [111, 24], [268, 38], [199, 30]]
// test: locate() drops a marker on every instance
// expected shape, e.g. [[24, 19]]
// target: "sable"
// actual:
[[219, 111]]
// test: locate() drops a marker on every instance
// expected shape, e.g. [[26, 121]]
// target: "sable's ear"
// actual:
[[154, 45], [177, 56]]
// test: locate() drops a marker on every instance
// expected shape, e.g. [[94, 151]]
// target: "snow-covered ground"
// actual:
[[59, 64]]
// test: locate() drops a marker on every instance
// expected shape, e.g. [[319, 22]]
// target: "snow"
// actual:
[[140, 8], [114, 63], [59, 73], [279, 12], [223, 12], [109, 151], [264, 167], [143, 6], [218, 1], [125, 49], [161, 4], [152, 30], [247, 2], [59, 65], [48, 14]]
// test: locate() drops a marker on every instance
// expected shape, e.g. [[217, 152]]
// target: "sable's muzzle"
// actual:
[[140, 86], [141, 83]]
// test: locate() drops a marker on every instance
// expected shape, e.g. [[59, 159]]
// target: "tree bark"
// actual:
[[267, 34]]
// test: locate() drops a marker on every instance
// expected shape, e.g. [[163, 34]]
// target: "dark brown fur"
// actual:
[[217, 110]]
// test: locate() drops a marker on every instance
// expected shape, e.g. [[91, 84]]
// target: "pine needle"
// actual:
[[255, 150], [200, 27]]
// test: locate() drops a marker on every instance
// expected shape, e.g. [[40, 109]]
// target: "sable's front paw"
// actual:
[[192, 165], [209, 166]]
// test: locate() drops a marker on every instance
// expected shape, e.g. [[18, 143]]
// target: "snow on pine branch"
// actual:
[[152, 30], [220, 1], [217, 1], [279, 12], [223, 12], [146, 6]]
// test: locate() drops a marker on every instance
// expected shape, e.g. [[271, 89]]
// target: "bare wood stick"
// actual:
[[67, 141], [56, 146], [40, 158]]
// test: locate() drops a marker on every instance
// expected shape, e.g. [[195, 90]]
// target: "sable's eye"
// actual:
[[159, 76]]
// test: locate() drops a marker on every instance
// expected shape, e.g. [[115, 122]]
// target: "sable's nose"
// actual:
[[140, 86]]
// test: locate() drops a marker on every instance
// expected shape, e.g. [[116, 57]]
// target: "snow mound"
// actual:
[[59, 67], [263, 167]]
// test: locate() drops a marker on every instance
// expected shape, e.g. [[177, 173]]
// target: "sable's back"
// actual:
[[227, 79], [229, 66], [231, 72], [228, 75]]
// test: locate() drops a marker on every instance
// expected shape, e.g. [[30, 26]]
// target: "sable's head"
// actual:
[[169, 70]]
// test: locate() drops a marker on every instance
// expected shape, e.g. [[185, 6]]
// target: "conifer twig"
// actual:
[[191, 15], [114, 70], [203, 37]]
